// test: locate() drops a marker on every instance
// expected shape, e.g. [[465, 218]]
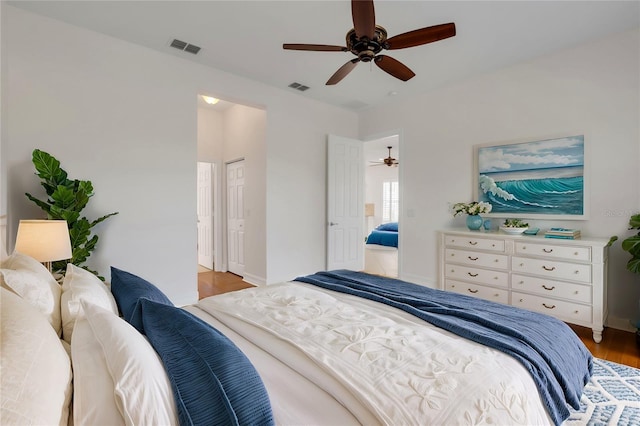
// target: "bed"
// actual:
[[381, 250], [323, 349]]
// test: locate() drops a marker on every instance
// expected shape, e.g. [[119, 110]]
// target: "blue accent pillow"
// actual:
[[391, 226], [213, 381], [127, 289]]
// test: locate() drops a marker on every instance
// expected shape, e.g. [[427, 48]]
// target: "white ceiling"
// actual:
[[246, 37]]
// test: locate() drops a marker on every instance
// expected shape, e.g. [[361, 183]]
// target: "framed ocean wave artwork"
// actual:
[[541, 179]]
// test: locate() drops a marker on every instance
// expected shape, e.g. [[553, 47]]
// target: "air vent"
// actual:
[[298, 86], [186, 47]]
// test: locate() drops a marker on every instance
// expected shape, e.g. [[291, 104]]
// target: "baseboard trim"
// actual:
[[254, 280]]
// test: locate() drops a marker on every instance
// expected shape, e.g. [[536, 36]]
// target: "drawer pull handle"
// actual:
[[548, 288], [553, 268], [472, 275], [549, 307], [473, 258], [473, 243], [577, 272], [575, 254], [521, 300], [472, 291], [496, 295], [547, 251]]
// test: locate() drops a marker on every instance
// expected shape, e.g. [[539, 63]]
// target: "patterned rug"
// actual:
[[612, 397]]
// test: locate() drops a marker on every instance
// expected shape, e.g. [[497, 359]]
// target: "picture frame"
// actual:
[[544, 178]]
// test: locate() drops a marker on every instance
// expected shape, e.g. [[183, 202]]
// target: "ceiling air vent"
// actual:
[[298, 86], [186, 47]]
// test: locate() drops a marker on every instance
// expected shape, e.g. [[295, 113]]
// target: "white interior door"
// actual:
[[205, 215], [235, 217], [345, 204]]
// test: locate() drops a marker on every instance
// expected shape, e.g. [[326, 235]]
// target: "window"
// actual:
[[390, 201]]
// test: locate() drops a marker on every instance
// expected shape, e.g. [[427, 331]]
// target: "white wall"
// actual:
[[593, 90], [125, 117], [210, 135]]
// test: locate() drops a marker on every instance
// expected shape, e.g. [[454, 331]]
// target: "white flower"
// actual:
[[473, 208]]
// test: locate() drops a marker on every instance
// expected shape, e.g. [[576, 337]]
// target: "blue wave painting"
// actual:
[[541, 177]]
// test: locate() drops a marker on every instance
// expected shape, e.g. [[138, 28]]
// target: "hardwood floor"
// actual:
[[211, 283], [617, 345]]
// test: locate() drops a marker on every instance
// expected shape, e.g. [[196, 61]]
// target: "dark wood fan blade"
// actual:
[[314, 47], [364, 18], [342, 72], [394, 67], [421, 36]]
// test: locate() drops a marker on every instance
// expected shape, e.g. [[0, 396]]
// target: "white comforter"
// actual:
[[383, 365]]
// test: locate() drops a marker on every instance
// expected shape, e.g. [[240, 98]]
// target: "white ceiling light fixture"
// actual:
[[210, 100]]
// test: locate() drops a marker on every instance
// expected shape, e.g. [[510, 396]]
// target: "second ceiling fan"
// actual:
[[366, 40], [389, 161]]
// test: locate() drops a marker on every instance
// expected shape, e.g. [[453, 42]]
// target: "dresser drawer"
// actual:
[[572, 253], [474, 243], [567, 311], [477, 275], [487, 293], [552, 269], [550, 288], [474, 258]]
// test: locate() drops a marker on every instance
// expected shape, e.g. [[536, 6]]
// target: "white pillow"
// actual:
[[35, 370], [30, 280], [141, 387], [81, 284], [93, 400]]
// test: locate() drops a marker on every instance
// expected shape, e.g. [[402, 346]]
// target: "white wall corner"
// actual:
[[254, 280], [620, 324]]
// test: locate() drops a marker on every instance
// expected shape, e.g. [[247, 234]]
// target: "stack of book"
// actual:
[[564, 233]]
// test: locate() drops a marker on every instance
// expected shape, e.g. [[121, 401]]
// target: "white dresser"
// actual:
[[566, 279]]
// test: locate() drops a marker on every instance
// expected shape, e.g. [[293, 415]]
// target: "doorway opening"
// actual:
[[382, 205]]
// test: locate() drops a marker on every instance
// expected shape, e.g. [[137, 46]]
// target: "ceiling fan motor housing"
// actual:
[[364, 48]]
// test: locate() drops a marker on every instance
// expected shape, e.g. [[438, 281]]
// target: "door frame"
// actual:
[[401, 212]]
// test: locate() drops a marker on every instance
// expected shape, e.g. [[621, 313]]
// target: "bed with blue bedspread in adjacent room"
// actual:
[[381, 250]]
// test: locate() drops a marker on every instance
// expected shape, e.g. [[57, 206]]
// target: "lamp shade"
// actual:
[[44, 240], [369, 209]]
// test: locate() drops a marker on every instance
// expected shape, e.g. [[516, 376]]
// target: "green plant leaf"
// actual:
[[48, 168], [632, 245], [634, 221], [634, 265], [100, 219], [64, 198], [80, 232]]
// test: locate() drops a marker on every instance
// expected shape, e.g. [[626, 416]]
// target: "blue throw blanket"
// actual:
[[383, 238], [555, 357]]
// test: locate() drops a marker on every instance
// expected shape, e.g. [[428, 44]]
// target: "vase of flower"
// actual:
[[474, 222], [473, 211]]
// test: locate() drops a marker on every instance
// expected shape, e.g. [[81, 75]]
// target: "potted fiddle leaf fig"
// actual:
[[632, 245], [65, 200]]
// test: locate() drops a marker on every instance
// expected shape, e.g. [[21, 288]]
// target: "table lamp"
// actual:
[[44, 240]]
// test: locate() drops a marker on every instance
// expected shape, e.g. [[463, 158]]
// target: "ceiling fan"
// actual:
[[389, 161], [366, 40]]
